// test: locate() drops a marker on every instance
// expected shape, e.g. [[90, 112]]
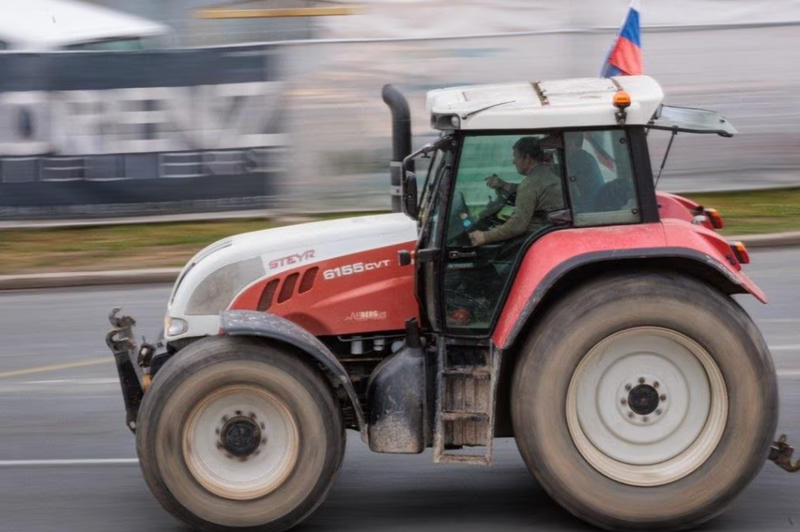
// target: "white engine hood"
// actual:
[[265, 253]]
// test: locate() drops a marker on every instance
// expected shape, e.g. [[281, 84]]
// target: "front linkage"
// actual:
[[120, 340]]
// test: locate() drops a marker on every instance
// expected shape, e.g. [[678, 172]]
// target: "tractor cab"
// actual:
[[592, 136]]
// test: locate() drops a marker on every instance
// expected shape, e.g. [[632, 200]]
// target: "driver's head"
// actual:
[[527, 154]]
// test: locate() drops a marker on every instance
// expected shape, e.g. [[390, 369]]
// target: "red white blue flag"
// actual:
[[625, 57]]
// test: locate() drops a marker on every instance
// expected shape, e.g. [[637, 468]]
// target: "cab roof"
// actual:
[[581, 102]]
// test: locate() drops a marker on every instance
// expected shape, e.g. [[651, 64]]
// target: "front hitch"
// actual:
[[781, 453], [120, 340]]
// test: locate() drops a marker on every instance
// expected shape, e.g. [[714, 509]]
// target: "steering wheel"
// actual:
[[462, 223], [489, 217]]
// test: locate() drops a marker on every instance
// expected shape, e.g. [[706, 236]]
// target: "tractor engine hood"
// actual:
[[211, 280]]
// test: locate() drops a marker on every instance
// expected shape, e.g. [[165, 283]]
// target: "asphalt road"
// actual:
[[51, 417]]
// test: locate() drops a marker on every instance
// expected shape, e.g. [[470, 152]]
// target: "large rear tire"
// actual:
[[645, 400], [236, 435]]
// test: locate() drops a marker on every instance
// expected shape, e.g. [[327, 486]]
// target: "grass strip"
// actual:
[[164, 245], [755, 212]]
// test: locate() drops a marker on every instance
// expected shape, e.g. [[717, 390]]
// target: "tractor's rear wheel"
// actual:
[[235, 435], [645, 400]]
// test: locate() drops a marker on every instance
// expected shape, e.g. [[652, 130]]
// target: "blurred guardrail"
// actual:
[[234, 128]]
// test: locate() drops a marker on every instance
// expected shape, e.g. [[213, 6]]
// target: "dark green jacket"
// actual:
[[538, 194]]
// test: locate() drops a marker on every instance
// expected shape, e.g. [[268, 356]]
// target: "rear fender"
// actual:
[[261, 324], [560, 260]]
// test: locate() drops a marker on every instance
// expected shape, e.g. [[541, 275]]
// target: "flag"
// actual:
[[625, 56]]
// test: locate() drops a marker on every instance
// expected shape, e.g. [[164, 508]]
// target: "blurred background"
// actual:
[[114, 108]]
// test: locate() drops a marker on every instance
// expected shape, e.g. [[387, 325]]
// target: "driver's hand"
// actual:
[[494, 181], [478, 238]]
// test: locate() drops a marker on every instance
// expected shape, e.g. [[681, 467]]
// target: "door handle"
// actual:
[[462, 254]]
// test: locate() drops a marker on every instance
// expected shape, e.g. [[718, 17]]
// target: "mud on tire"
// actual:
[[237, 435], [591, 410]]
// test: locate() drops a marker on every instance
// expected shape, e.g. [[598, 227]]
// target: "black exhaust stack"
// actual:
[[401, 139]]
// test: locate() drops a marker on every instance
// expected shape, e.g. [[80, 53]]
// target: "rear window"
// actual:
[[600, 177]]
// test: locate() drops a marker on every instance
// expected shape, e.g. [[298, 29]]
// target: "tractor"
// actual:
[[603, 337]]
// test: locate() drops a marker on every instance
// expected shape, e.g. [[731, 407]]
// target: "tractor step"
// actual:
[[465, 403]]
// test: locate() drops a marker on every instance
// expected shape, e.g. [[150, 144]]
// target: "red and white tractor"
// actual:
[[604, 339]]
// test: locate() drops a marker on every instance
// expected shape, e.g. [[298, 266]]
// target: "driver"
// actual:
[[538, 194]]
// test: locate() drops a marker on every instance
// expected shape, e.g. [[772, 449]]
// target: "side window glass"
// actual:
[[600, 177]]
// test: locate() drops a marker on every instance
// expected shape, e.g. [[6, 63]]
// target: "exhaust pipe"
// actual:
[[401, 139]]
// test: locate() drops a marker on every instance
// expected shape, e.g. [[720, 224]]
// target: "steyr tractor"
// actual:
[[602, 336]]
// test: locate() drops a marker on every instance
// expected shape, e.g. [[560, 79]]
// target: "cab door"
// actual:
[[475, 279]]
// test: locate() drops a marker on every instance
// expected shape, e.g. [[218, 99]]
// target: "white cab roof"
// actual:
[[582, 102], [36, 25]]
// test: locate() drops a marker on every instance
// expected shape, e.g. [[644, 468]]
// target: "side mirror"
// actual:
[[409, 192]]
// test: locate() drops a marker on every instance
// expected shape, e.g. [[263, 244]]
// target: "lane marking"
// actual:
[[56, 367], [98, 381], [784, 347], [40, 463]]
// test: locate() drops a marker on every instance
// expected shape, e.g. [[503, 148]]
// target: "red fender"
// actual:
[[682, 234], [558, 252]]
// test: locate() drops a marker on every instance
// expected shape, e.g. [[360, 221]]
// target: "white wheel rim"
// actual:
[[631, 435], [267, 463]]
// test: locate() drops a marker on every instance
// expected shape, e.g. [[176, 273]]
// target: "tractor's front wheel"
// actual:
[[235, 435], [645, 400]]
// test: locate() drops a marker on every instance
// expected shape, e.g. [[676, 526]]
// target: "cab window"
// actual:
[[600, 178]]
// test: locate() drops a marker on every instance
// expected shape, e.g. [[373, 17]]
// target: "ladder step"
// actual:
[[479, 373], [465, 416], [474, 459]]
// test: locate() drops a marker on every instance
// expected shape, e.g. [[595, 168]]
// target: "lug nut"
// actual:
[[655, 384], [641, 380], [659, 411], [663, 397], [624, 402], [238, 412], [251, 415], [645, 418], [628, 387], [630, 415]]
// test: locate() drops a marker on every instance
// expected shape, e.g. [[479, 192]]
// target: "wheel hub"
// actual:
[[646, 406], [643, 399], [226, 447], [241, 437]]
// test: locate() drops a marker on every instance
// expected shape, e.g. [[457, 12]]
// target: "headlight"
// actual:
[[175, 326], [214, 293]]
